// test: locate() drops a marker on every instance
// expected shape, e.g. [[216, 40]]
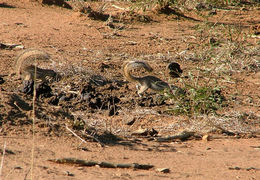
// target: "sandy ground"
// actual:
[[188, 160]]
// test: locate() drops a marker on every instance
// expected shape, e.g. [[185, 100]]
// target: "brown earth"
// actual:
[[94, 101]]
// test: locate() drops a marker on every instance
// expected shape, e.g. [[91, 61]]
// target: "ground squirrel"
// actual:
[[145, 82], [25, 65]]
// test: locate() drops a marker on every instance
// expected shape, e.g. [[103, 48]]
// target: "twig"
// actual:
[[20, 109], [27, 174], [33, 118], [117, 7], [2, 161], [14, 137], [103, 164], [76, 135], [240, 168], [73, 92], [11, 171]]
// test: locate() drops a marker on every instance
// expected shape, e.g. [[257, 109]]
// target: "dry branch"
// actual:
[[103, 164], [182, 136]]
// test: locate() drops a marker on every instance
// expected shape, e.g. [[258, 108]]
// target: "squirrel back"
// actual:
[[29, 58]]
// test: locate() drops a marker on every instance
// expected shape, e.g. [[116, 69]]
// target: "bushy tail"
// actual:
[[28, 57], [135, 64]]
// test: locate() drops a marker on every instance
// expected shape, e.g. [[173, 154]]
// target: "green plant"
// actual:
[[197, 99], [78, 124]]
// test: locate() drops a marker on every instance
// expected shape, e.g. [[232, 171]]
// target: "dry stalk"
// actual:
[[2, 161], [33, 118], [75, 134]]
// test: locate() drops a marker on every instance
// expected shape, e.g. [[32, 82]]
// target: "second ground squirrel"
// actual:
[[26, 62], [144, 82]]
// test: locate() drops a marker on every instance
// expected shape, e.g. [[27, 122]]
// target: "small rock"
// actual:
[[257, 148], [85, 149], [205, 137], [174, 69], [212, 12], [131, 43], [141, 132], [164, 170], [80, 168], [244, 9], [234, 168], [69, 173]]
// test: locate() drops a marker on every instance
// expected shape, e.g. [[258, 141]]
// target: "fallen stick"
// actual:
[[2, 161], [10, 46], [182, 136], [103, 164], [76, 135], [240, 168], [73, 161], [89, 136]]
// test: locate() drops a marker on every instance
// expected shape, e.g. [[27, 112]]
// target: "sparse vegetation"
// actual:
[[145, 5], [197, 100]]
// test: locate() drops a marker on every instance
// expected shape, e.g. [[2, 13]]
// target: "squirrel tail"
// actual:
[[28, 57], [135, 64]]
